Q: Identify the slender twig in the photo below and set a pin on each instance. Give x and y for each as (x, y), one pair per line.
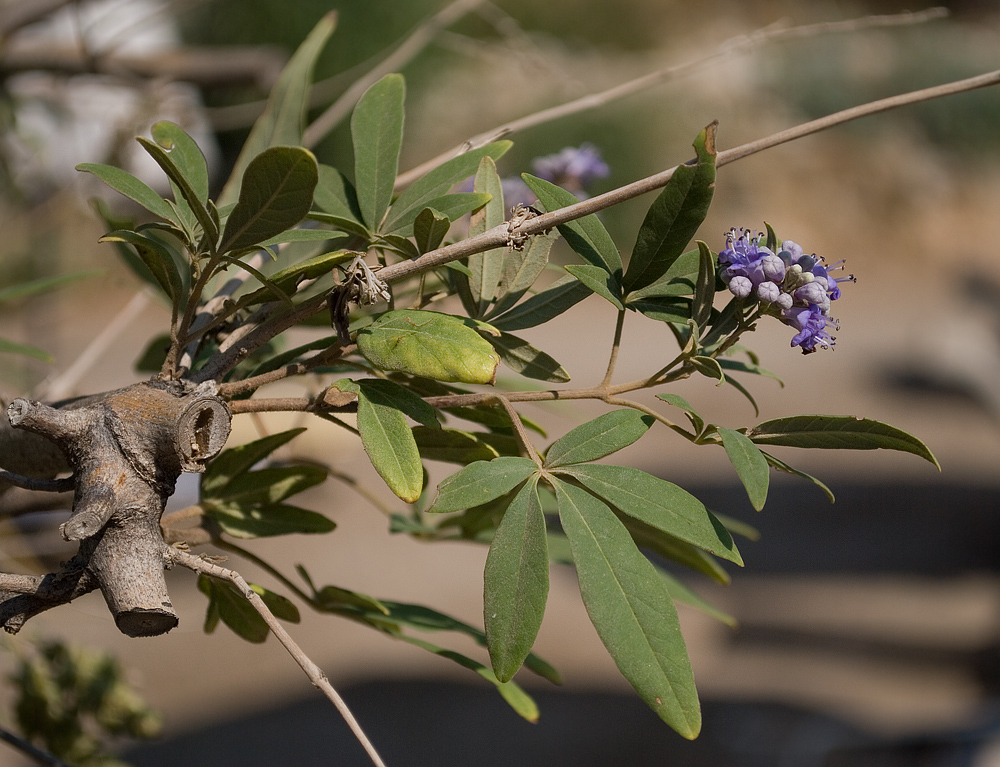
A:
(410, 48)
(615, 346)
(239, 551)
(522, 435)
(246, 385)
(42, 485)
(312, 671)
(500, 235)
(63, 385)
(729, 48)
(31, 750)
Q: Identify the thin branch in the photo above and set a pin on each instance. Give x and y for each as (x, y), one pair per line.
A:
(312, 671)
(247, 385)
(615, 346)
(410, 48)
(522, 435)
(500, 235)
(42, 485)
(729, 48)
(31, 750)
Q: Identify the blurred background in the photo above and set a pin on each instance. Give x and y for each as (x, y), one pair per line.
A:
(868, 630)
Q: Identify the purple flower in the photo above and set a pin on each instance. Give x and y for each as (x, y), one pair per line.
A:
(811, 322)
(574, 168)
(796, 288)
(748, 262)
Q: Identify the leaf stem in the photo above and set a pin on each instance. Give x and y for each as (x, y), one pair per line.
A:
(522, 435)
(615, 347)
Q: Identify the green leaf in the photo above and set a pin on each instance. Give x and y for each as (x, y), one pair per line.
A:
(302, 235)
(266, 486)
(516, 582)
(750, 464)
(275, 195)
(429, 230)
(10, 347)
(247, 521)
(156, 258)
(280, 607)
(184, 191)
(487, 268)
(561, 295)
(510, 691)
(631, 609)
(185, 153)
(674, 549)
(674, 216)
(226, 602)
(391, 394)
(595, 439)
(708, 367)
(523, 358)
(338, 222)
(335, 195)
(521, 269)
(782, 466)
(680, 592)
(660, 504)
(439, 180)
(288, 279)
(284, 117)
(128, 185)
(678, 401)
(429, 345)
(668, 309)
(377, 130)
(234, 461)
(600, 281)
(451, 206)
(387, 439)
(701, 307)
(481, 482)
(587, 236)
(455, 446)
(679, 279)
(838, 432)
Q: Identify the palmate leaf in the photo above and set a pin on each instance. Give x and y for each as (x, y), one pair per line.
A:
(660, 504)
(516, 582)
(631, 609)
(430, 345)
(750, 465)
(377, 131)
(838, 432)
(595, 439)
(284, 116)
(275, 195)
(674, 216)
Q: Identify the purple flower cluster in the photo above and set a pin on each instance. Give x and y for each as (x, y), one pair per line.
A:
(798, 289)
